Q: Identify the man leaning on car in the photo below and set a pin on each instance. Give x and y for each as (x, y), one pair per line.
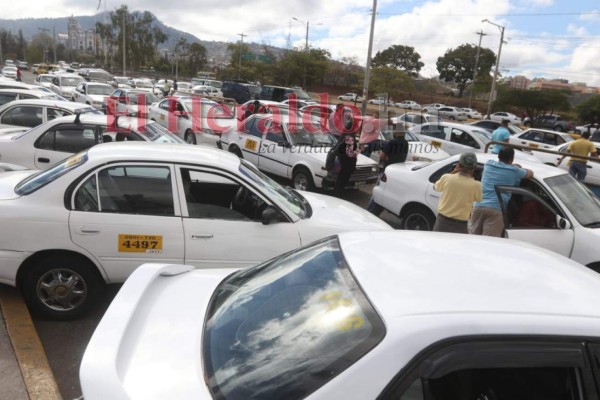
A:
(580, 147)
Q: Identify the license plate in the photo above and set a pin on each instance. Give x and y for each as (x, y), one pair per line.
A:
(436, 144)
(140, 243)
(250, 145)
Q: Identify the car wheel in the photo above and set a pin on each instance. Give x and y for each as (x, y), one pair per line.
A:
(190, 137)
(236, 150)
(417, 218)
(62, 287)
(302, 179)
(558, 128)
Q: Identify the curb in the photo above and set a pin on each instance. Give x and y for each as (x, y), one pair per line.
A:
(35, 369)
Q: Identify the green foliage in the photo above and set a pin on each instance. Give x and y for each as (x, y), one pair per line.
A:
(589, 110)
(534, 102)
(404, 58)
(457, 65)
(391, 81)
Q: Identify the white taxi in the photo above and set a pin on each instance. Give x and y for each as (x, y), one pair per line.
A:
(195, 119)
(540, 138)
(552, 210)
(593, 168)
(293, 149)
(453, 138)
(101, 213)
(92, 93)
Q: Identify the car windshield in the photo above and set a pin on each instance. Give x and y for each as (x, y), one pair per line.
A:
(70, 81)
(148, 98)
(579, 200)
(42, 178)
(46, 78)
(483, 135)
(514, 129)
(283, 329)
(159, 134)
(314, 137)
(100, 90)
(301, 94)
(207, 108)
(289, 198)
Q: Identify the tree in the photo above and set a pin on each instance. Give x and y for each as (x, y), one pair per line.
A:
(588, 111)
(404, 58)
(534, 102)
(390, 80)
(457, 65)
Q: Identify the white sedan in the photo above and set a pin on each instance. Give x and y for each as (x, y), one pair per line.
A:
(472, 113)
(34, 112)
(360, 316)
(296, 150)
(97, 216)
(552, 210)
(92, 93)
(453, 138)
(9, 72)
(408, 105)
(134, 102)
(501, 115)
(44, 80)
(540, 138)
(46, 145)
(8, 95)
(194, 119)
(593, 172)
(349, 97)
(411, 119)
(452, 113)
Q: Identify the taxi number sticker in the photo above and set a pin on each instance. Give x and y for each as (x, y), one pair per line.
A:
(250, 145)
(535, 146)
(436, 144)
(140, 243)
(162, 117)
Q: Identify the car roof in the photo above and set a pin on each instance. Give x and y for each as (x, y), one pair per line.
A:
(457, 275)
(68, 105)
(163, 152)
(540, 170)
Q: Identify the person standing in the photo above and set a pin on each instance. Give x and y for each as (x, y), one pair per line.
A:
(459, 191)
(393, 152)
(501, 134)
(19, 77)
(174, 85)
(166, 88)
(580, 147)
(487, 219)
(347, 155)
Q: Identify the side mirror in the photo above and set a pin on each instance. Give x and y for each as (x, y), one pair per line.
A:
(562, 223)
(270, 215)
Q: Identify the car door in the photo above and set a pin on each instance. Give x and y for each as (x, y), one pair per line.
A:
(275, 150)
(532, 138)
(126, 215)
(435, 135)
(78, 93)
(222, 221)
(461, 141)
(530, 218)
(250, 140)
(62, 141)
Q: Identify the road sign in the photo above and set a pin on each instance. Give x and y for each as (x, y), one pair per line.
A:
(257, 57)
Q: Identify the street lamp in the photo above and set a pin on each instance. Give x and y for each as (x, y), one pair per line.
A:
(307, 24)
(489, 108)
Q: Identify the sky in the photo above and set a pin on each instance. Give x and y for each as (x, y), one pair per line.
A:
(544, 38)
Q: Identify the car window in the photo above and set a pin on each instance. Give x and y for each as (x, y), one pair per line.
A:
(528, 212)
(534, 136)
(212, 195)
(257, 128)
(144, 190)
(269, 327)
(7, 98)
(434, 131)
(86, 197)
(56, 113)
(275, 132)
(29, 116)
(164, 105)
(464, 138)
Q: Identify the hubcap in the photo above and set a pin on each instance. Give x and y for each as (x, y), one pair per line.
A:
(300, 182)
(61, 289)
(417, 222)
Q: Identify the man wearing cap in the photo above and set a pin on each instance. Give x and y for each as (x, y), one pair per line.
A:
(487, 219)
(501, 134)
(459, 191)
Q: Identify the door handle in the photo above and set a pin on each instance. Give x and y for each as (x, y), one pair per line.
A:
(202, 236)
(43, 160)
(87, 231)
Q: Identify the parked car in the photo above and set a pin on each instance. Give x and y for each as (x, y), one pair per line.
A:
(147, 85)
(117, 205)
(44, 80)
(411, 119)
(452, 113)
(279, 93)
(240, 92)
(9, 72)
(34, 68)
(552, 210)
(299, 103)
(554, 122)
(380, 101)
(206, 82)
(432, 108)
(472, 113)
(408, 105)
(349, 97)
(34, 112)
(65, 84)
(191, 118)
(591, 128)
(23, 65)
(97, 75)
(418, 150)
(540, 138)
(501, 115)
(453, 138)
(133, 102)
(8, 95)
(282, 147)
(91, 93)
(206, 90)
(511, 321)
(593, 168)
(46, 145)
(491, 126)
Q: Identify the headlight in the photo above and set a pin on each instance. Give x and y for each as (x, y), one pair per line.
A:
(424, 159)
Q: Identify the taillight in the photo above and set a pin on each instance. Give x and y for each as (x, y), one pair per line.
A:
(383, 178)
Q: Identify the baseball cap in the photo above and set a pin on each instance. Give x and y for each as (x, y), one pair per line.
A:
(468, 160)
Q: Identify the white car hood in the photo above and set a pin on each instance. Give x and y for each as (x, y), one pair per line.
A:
(148, 343)
(332, 215)
(98, 97)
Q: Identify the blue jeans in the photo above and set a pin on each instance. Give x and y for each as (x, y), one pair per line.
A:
(578, 170)
(373, 207)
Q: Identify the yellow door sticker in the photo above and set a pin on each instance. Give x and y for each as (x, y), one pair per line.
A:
(436, 144)
(533, 145)
(250, 145)
(162, 117)
(140, 243)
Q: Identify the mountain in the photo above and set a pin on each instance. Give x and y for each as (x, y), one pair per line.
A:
(216, 50)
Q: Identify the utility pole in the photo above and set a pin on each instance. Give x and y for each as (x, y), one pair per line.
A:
(1, 61)
(124, 50)
(105, 41)
(491, 100)
(54, 43)
(481, 35)
(363, 108)
(240, 58)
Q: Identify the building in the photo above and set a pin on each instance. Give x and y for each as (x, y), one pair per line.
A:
(519, 82)
(80, 39)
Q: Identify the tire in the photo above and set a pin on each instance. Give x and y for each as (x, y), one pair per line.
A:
(236, 150)
(302, 179)
(46, 288)
(417, 218)
(189, 137)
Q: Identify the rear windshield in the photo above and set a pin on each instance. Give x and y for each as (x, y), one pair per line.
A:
(42, 178)
(283, 329)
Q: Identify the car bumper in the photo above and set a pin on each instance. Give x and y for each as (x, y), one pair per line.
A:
(355, 182)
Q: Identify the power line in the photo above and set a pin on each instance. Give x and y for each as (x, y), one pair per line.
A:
(501, 15)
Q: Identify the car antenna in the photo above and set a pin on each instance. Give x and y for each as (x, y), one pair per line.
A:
(77, 116)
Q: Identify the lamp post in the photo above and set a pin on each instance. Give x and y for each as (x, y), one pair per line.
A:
(491, 100)
(307, 24)
(363, 108)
